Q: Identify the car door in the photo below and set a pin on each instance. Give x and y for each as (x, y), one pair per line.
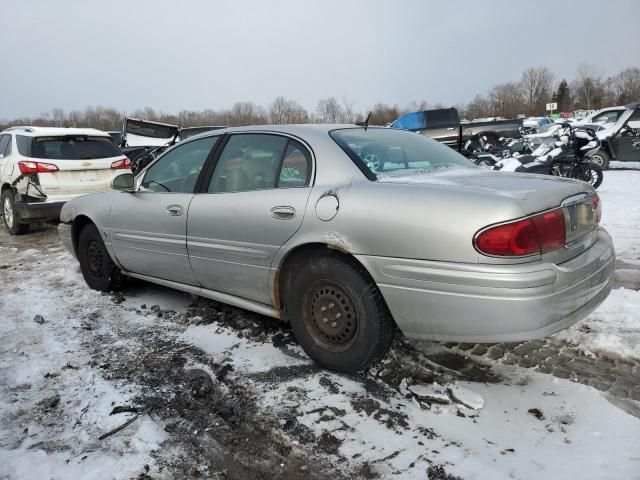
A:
(253, 202)
(149, 227)
(623, 141)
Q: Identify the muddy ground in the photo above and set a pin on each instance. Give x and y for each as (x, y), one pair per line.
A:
(232, 419)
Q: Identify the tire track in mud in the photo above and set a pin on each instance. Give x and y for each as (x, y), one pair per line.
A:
(617, 376)
(210, 409)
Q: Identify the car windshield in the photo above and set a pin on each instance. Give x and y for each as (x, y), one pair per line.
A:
(70, 147)
(380, 152)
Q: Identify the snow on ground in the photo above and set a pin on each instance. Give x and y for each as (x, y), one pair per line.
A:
(614, 328)
(621, 211)
(53, 404)
(61, 379)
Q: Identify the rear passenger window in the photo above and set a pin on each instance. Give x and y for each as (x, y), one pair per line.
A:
(4, 142)
(249, 162)
(296, 166)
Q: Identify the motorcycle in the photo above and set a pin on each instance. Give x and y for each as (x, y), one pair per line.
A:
(567, 157)
(485, 149)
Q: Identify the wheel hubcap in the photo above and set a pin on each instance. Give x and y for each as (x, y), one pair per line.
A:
(332, 319)
(8, 212)
(598, 160)
(94, 258)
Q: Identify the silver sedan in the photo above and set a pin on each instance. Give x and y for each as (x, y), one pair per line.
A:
(295, 222)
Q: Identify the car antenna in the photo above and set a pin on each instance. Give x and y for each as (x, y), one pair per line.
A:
(364, 124)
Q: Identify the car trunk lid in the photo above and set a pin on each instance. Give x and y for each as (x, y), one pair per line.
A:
(532, 194)
(146, 133)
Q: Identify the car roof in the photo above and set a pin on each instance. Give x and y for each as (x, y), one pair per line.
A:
(302, 130)
(54, 131)
(610, 109)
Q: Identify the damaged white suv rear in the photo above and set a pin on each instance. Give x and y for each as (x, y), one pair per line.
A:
(42, 167)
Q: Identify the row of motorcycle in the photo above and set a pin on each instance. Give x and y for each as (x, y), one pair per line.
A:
(567, 155)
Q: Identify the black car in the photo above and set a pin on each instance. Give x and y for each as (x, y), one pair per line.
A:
(617, 142)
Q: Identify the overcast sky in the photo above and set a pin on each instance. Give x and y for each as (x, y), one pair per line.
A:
(175, 55)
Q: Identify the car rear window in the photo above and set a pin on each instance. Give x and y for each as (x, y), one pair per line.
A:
(386, 151)
(68, 147)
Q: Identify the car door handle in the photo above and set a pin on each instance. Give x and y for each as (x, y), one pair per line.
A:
(174, 210)
(283, 213)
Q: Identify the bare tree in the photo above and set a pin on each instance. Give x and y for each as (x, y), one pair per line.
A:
(283, 111)
(588, 88)
(329, 110)
(382, 114)
(479, 107)
(506, 100)
(535, 85)
(246, 113)
(348, 115)
(625, 86)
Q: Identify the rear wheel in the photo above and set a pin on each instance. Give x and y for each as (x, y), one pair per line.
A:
(12, 221)
(588, 172)
(96, 265)
(593, 174)
(338, 314)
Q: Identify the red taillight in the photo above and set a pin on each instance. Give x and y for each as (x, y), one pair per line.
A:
(36, 167)
(551, 230)
(121, 164)
(537, 234)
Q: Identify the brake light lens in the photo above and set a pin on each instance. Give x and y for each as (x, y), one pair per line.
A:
(121, 164)
(538, 234)
(36, 167)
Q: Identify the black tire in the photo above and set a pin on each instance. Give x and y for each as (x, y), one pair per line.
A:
(10, 216)
(600, 158)
(587, 172)
(338, 314)
(594, 175)
(96, 265)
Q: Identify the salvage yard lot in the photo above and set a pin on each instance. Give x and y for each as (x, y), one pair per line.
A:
(217, 392)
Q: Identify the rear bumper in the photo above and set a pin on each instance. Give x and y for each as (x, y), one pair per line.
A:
(39, 211)
(493, 303)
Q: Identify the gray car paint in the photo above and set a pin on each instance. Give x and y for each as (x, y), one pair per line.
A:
(414, 219)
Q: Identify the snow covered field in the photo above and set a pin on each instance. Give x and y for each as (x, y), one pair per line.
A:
(215, 392)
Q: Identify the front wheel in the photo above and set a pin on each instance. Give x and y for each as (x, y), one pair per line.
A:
(96, 265)
(338, 314)
(12, 220)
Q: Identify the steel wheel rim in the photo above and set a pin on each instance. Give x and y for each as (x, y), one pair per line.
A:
(331, 318)
(8, 212)
(95, 262)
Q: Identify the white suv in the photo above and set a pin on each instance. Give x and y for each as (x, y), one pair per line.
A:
(41, 168)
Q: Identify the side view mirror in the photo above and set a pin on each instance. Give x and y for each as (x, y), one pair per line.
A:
(125, 182)
(633, 124)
